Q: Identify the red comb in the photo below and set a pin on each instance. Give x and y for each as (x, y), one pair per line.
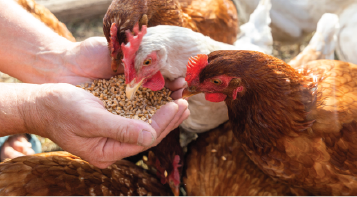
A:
(114, 44)
(195, 66)
(130, 51)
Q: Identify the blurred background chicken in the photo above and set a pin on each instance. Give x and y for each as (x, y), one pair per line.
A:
(214, 18)
(322, 45)
(347, 41)
(63, 174)
(292, 20)
(299, 127)
(44, 15)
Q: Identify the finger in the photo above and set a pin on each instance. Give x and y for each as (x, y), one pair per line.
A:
(182, 107)
(184, 116)
(175, 84)
(10, 153)
(125, 130)
(28, 151)
(177, 94)
(164, 116)
(113, 151)
(20, 145)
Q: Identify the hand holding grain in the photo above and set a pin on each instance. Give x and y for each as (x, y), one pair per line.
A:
(78, 122)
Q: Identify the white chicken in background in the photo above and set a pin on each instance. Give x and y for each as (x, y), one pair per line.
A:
(322, 45)
(346, 43)
(292, 20)
(164, 52)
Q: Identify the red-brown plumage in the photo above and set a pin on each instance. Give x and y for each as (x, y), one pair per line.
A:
(299, 127)
(217, 19)
(168, 156)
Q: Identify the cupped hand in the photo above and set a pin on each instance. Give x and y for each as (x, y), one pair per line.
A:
(16, 146)
(78, 122)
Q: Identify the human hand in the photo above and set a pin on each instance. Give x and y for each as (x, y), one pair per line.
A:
(85, 61)
(16, 146)
(78, 122)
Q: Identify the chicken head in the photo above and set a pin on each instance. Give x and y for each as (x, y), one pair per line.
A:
(142, 69)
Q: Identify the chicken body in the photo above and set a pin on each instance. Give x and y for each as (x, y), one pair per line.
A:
(292, 20)
(298, 127)
(216, 165)
(60, 173)
(169, 48)
(215, 18)
(44, 15)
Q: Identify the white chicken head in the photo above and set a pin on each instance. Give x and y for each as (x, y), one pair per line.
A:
(142, 64)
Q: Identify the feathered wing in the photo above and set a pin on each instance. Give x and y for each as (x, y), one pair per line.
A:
(216, 165)
(319, 155)
(346, 44)
(322, 45)
(256, 33)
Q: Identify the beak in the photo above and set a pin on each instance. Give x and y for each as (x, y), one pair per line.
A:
(132, 87)
(189, 91)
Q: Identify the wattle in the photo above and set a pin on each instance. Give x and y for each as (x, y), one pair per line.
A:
(156, 82)
(215, 97)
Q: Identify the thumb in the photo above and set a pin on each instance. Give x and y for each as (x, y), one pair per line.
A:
(127, 130)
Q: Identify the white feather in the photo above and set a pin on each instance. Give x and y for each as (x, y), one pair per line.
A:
(322, 45)
(346, 45)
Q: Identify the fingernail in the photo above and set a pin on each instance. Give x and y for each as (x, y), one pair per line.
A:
(145, 138)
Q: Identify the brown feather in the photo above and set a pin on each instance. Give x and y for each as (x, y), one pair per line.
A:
(60, 173)
(225, 169)
(297, 126)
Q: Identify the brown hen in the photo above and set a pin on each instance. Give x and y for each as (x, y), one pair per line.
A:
(299, 127)
(60, 173)
(44, 15)
(214, 18)
(216, 165)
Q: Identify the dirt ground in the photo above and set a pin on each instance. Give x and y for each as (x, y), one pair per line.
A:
(94, 27)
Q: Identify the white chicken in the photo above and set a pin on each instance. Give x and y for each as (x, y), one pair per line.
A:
(346, 44)
(163, 52)
(293, 19)
(322, 45)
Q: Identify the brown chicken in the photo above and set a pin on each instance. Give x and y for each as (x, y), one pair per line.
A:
(44, 15)
(60, 173)
(297, 126)
(166, 159)
(216, 165)
(214, 18)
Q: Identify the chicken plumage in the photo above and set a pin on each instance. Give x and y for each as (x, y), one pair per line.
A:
(292, 20)
(60, 173)
(299, 127)
(322, 45)
(216, 165)
(346, 49)
(214, 18)
(162, 52)
(44, 15)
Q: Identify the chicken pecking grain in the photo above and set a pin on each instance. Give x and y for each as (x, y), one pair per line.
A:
(214, 18)
(63, 174)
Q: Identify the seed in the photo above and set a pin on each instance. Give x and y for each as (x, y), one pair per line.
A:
(112, 94)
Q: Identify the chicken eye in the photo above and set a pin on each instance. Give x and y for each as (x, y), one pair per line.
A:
(147, 62)
(216, 81)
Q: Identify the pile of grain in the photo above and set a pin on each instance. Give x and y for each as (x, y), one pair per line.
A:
(112, 93)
